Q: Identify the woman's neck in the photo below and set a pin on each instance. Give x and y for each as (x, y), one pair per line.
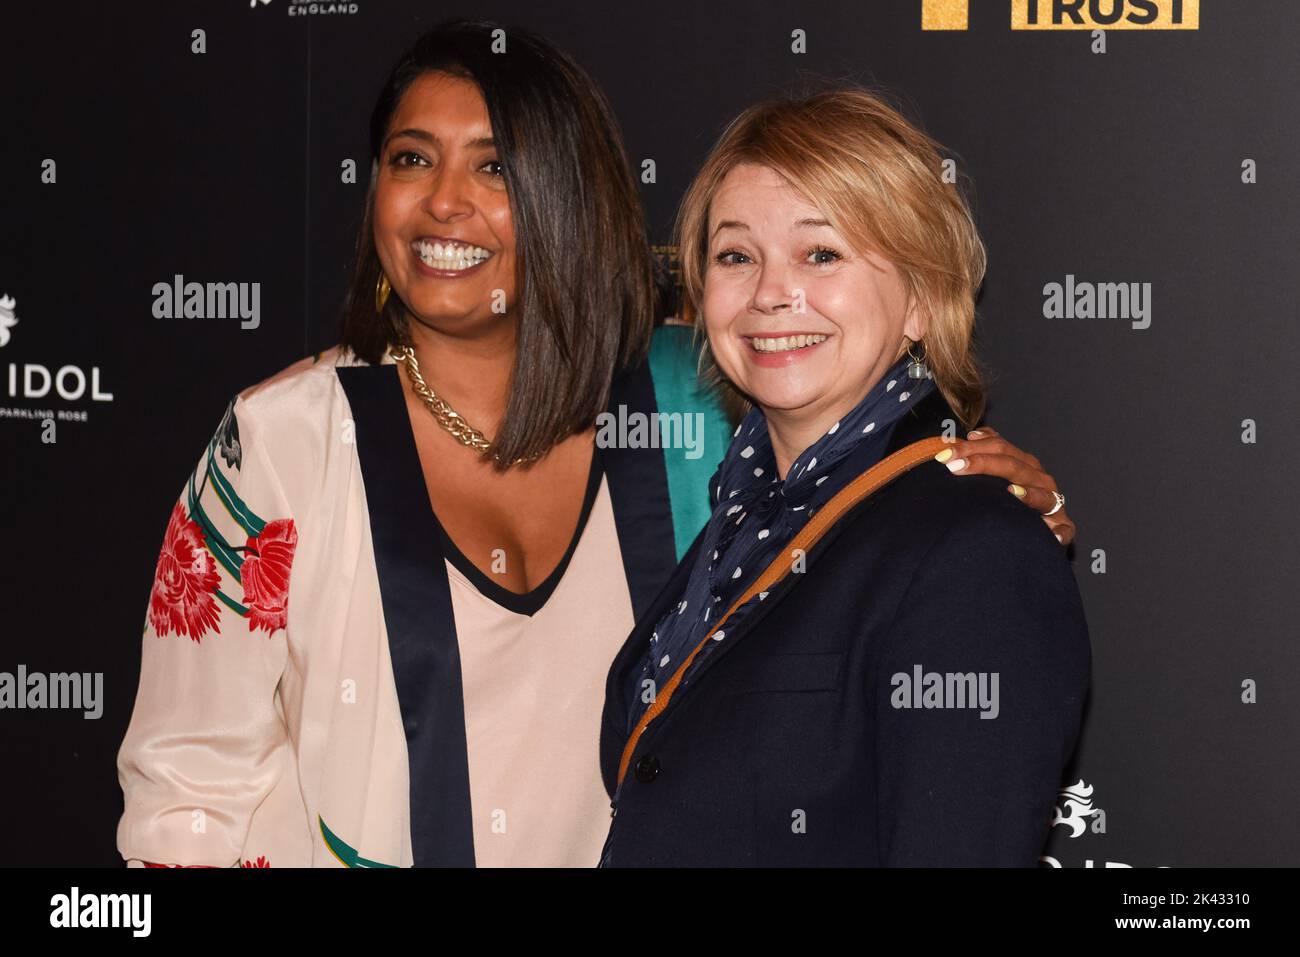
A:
(793, 431)
(472, 373)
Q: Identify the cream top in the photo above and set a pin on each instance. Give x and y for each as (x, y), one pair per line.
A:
(534, 689)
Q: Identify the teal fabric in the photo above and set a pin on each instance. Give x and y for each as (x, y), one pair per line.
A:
(673, 360)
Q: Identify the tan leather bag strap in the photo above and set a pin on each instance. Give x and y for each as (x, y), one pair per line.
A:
(876, 477)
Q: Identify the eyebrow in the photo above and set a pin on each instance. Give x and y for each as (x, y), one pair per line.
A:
(427, 137)
(800, 224)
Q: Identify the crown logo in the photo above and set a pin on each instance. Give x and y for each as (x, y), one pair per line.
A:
(7, 317)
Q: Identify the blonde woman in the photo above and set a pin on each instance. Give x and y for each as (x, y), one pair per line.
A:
(862, 660)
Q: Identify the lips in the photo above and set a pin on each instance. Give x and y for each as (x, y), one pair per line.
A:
(448, 255)
(785, 343)
(782, 349)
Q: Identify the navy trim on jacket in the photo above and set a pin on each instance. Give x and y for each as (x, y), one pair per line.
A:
(638, 491)
(418, 615)
(409, 546)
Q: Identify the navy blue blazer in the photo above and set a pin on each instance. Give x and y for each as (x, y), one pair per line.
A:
(813, 735)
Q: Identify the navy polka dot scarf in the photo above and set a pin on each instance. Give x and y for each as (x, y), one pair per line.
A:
(755, 515)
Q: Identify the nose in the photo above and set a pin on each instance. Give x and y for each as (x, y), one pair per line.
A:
(448, 197)
(772, 292)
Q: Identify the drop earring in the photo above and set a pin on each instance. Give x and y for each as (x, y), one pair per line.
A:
(917, 369)
(382, 289)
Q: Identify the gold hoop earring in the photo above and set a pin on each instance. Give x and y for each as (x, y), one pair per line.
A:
(382, 289)
(917, 369)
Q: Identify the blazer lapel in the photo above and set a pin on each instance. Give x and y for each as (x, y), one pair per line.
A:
(638, 491)
(618, 684)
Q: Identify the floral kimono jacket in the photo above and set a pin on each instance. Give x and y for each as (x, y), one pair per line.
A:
(302, 700)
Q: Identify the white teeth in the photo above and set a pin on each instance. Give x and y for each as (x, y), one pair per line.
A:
(450, 255)
(785, 343)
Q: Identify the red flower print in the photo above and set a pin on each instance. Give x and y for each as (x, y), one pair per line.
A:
(152, 864)
(185, 582)
(260, 862)
(265, 574)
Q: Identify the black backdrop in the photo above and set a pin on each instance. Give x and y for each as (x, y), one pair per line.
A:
(1131, 165)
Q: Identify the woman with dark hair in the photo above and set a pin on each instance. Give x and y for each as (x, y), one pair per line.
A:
(389, 594)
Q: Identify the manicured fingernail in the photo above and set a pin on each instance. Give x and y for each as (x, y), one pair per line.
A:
(974, 435)
(943, 456)
(1059, 538)
(1018, 491)
(956, 465)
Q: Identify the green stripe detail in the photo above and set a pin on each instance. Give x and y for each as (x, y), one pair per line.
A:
(244, 516)
(241, 513)
(346, 854)
(233, 605)
(217, 545)
(673, 359)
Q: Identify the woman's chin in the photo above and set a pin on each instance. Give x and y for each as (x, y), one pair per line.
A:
(784, 400)
(455, 315)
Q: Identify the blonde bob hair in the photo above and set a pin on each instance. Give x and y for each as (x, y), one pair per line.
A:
(879, 181)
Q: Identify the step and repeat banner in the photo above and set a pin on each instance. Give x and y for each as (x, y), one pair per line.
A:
(1135, 181)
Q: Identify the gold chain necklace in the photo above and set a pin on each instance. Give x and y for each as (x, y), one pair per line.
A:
(446, 416)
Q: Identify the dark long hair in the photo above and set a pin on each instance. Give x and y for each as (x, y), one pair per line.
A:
(584, 273)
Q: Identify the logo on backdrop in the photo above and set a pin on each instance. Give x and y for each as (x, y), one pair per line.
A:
(7, 319)
(312, 8)
(1073, 14)
(38, 380)
(1074, 805)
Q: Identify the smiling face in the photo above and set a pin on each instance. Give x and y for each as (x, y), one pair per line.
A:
(797, 319)
(442, 223)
